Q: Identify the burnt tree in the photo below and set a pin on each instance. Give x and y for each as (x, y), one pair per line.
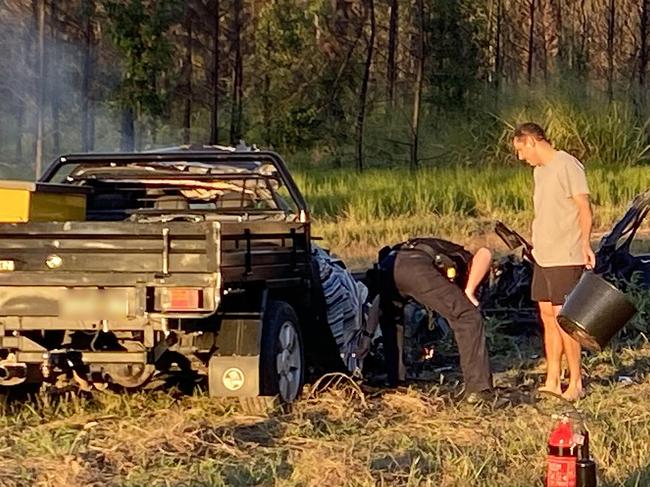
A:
(417, 92)
(391, 68)
(363, 94)
(237, 75)
(214, 112)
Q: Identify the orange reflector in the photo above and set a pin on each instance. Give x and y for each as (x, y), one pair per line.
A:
(183, 298)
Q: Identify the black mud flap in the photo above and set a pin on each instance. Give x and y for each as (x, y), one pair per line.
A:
(234, 367)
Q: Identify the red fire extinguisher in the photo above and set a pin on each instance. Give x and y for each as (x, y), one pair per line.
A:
(562, 457)
(569, 463)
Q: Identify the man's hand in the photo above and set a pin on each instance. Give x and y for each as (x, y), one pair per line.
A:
(585, 217)
(590, 257)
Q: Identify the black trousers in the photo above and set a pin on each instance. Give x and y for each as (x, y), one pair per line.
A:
(411, 274)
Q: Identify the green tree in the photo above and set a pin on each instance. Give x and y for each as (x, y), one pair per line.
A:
(286, 55)
(451, 39)
(138, 29)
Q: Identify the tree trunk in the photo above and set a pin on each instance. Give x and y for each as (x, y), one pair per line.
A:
(53, 74)
(611, 24)
(489, 47)
(236, 112)
(531, 42)
(88, 65)
(38, 156)
(643, 51)
(557, 7)
(127, 143)
(415, 124)
(497, 51)
(391, 73)
(20, 124)
(214, 119)
(584, 44)
(187, 68)
(548, 34)
(91, 125)
(266, 98)
(361, 115)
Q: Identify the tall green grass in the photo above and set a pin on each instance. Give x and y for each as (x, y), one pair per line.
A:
(468, 175)
(358, 212)
(469, 192)
(392, 193)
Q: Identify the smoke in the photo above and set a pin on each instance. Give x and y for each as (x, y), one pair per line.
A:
(65, 73)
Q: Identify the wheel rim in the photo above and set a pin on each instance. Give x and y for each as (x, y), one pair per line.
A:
(288, 362)
(130, 375)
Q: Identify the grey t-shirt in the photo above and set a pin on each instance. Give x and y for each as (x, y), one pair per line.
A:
(556, 226)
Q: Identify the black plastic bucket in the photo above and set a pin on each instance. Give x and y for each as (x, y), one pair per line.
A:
(594, 311)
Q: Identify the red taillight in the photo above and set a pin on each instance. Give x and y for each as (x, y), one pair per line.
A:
(182, 299)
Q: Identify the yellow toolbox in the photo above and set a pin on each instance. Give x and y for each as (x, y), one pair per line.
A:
(22, 201)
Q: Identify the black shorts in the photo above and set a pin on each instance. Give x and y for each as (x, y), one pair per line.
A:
(554, 283)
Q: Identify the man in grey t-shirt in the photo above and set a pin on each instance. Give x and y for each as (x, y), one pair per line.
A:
(561, 246)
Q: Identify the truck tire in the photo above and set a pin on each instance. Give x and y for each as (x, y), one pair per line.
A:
(282, 358)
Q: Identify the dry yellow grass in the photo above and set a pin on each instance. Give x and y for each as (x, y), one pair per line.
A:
(338, 434)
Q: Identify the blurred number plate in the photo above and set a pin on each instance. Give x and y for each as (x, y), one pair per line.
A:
(94, 303)
(7, 265)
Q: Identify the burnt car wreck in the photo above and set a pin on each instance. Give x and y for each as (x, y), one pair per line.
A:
(505, 296)
(505, 300)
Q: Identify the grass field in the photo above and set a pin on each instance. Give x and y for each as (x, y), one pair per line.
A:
(418, 436)
(358, 213)
(342, 435)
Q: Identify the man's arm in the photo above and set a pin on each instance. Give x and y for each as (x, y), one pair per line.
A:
(586, 220)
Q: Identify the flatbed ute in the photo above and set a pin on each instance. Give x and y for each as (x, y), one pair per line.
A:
(186, 260)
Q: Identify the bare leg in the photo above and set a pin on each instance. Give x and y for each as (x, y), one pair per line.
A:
(572, 351)
(480, 266)
(553, 346)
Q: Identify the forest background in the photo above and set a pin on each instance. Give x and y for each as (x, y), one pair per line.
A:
(395, 115)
